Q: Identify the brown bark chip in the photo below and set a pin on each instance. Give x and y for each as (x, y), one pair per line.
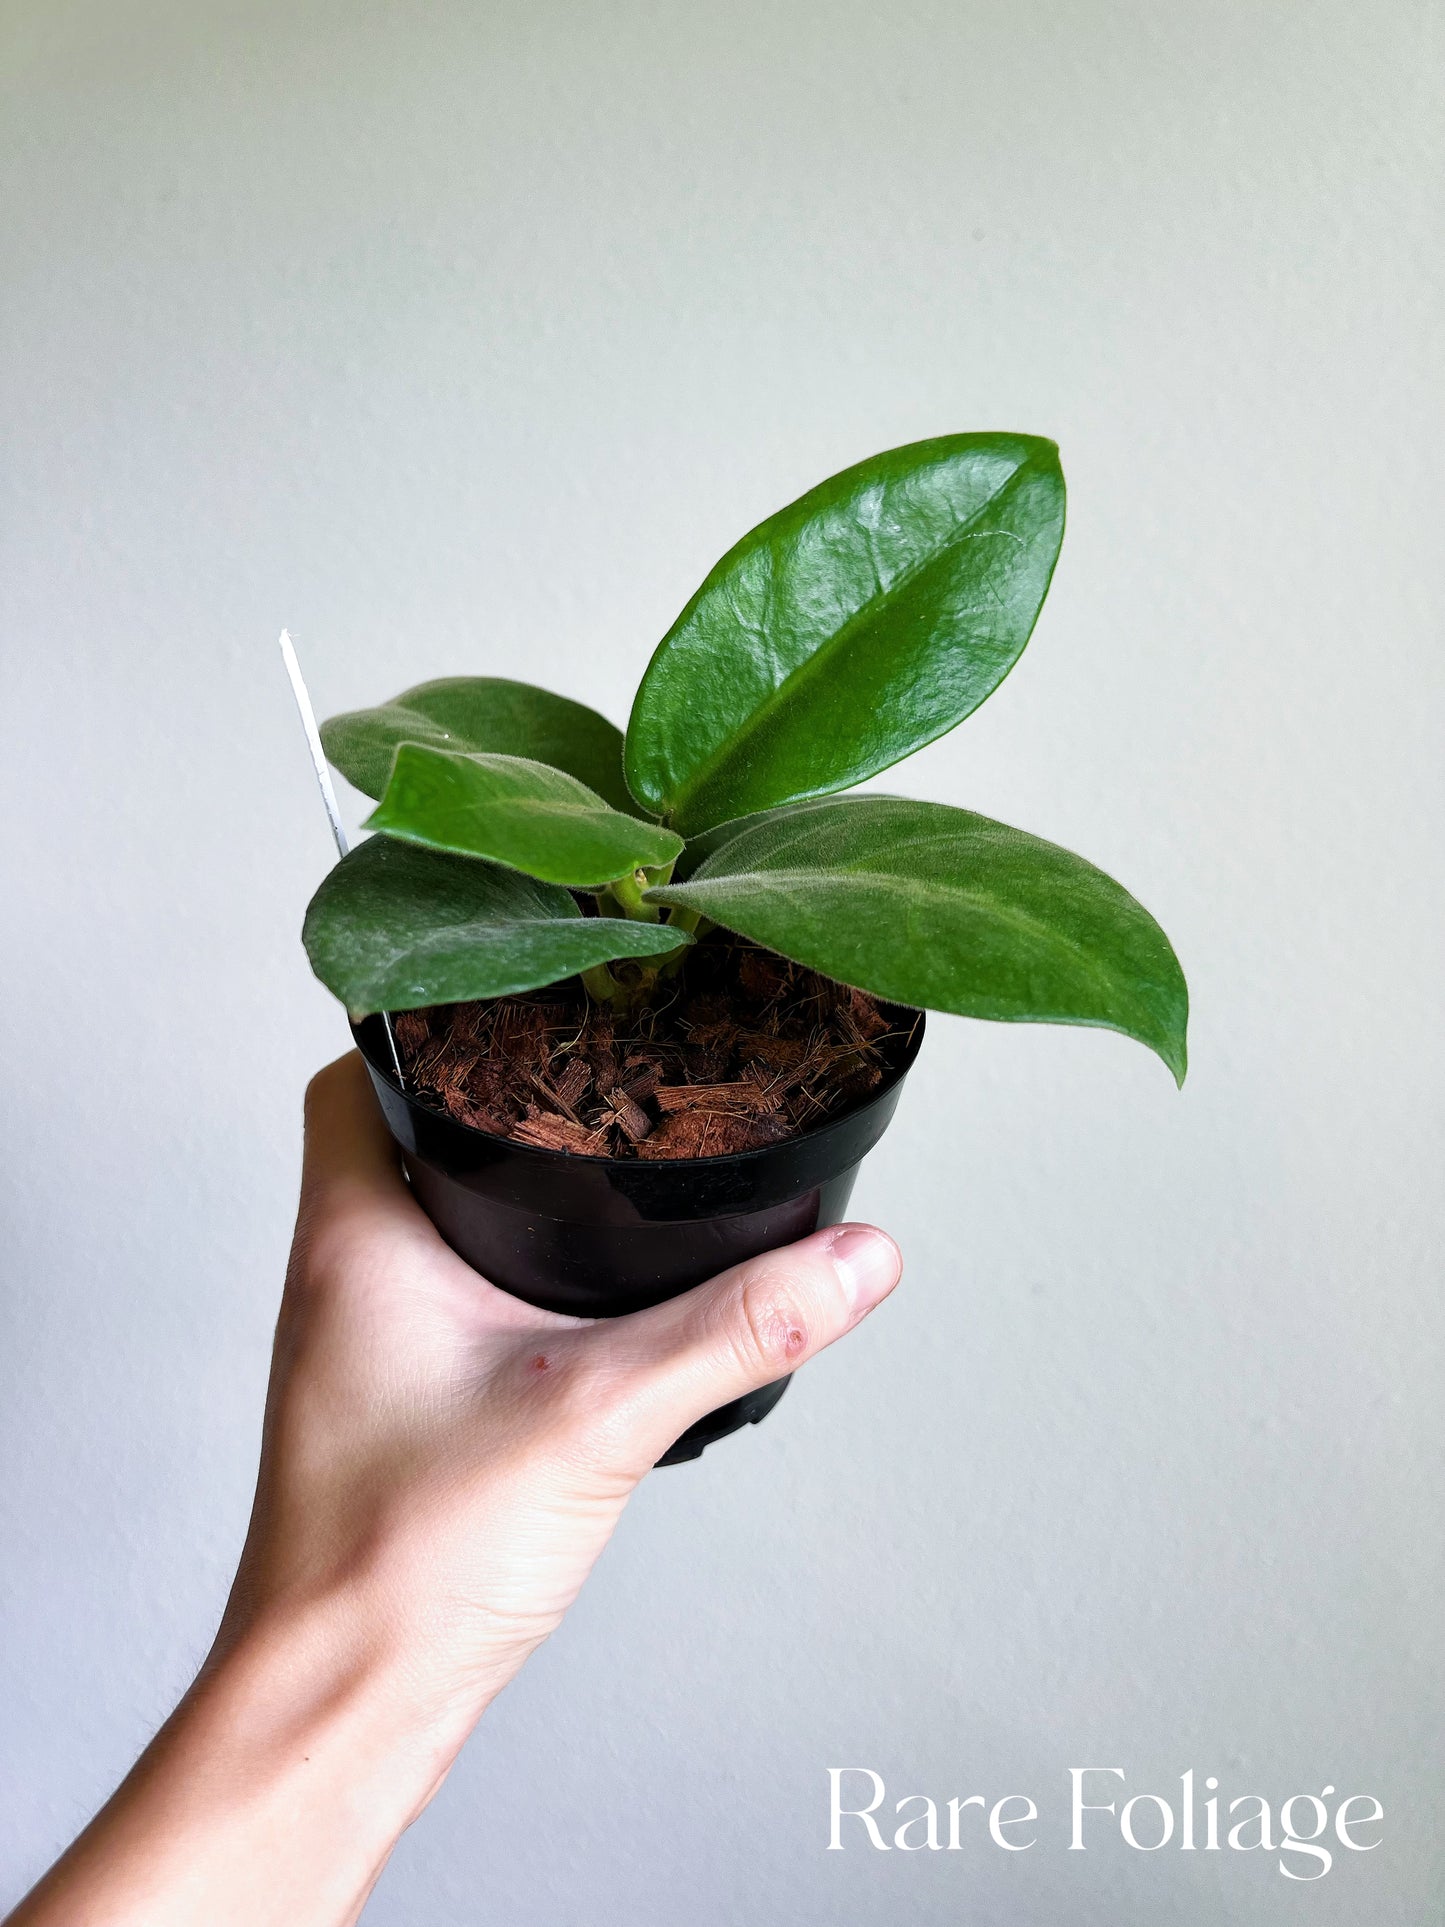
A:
(573, 1082)
(742, 1049)
(630, 1118)
(743, 1097)
(552, 1133)
(410, 1029)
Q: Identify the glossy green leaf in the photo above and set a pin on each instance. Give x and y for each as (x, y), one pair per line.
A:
(480, 713)
(937, 907)
(397, 927)
(849, 629)
(709, 842)
(514, 811)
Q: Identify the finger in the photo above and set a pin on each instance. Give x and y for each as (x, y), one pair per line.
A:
(349, 1151)
(352, 1187)
(754, 1324)
(351, 1184)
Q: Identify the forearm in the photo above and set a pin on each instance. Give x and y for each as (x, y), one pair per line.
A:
(441, 1465)
(274, 1793)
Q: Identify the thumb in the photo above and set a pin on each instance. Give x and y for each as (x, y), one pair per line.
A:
(753, 1324)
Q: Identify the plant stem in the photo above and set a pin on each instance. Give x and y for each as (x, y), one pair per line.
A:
(628, 893)
(602, 986)
(625, 895)
(695, 924)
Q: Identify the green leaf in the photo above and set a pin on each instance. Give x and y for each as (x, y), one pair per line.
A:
(514, 811)
(709, 842)
(395, 927)
(937, 907)
(849, 629)
(487, 713)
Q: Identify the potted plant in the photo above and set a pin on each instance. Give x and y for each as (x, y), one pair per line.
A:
(635, 1006)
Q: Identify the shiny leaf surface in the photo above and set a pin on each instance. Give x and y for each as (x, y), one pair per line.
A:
(514, 811)
(480, 713)
(937, 907)
(396, 927)
(849, 629)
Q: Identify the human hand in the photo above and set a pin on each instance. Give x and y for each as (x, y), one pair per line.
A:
(460, 1457)
(441, 1465)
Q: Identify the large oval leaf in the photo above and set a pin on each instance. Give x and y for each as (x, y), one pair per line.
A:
(849, 629)
(484, 713)
(937, 907)
(514, 811)
(395, 927)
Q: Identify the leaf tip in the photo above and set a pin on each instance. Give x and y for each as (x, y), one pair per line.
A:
(1173, 1052)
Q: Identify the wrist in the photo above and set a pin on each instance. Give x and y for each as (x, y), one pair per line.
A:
(311, 1682)
(276, 1790)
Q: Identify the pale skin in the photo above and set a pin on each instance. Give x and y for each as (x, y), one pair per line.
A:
(441, 1466)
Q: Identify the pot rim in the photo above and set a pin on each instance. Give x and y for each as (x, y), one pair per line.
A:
(379, 1062)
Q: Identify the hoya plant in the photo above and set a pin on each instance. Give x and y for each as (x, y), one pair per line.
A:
(521, 838)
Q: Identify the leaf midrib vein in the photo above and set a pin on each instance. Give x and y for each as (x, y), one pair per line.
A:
(905, 578)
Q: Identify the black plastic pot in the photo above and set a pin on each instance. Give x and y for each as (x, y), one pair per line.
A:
(598, 1237)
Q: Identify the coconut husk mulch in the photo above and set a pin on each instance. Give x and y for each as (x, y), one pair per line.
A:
(741, 1050)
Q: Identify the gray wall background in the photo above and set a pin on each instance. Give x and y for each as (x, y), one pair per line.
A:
(466, 337)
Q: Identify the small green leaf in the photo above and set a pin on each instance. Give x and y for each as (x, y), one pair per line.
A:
(937, 907)
(487, 713)
(396, 927)
(514, 811)
(849, 629)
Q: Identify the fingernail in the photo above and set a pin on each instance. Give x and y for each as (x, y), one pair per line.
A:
(867, 1261)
